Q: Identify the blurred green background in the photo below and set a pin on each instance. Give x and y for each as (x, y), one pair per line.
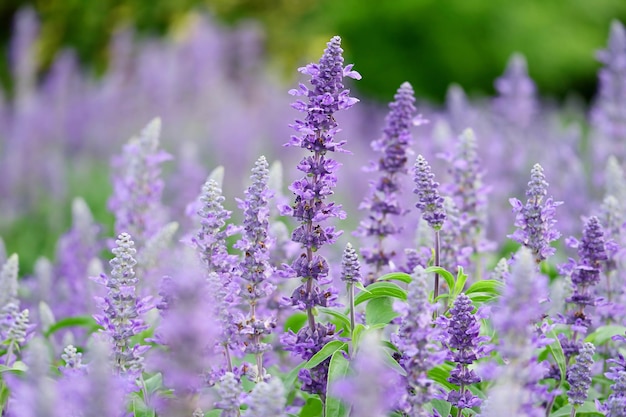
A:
(436, 42)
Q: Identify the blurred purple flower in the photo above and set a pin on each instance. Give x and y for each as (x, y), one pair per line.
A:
(579, 375)
(516, 101)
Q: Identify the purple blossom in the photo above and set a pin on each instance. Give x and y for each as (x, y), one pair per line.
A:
(266, 399)
(615, 405)
(579, 375)
(416, 341)
(231, 395)
(517, 101)
(316, 133)
(535, 220)
(429, 201)
(137, 187)
(465, 346)
(350, 267)
(382, 201)
(122, 310)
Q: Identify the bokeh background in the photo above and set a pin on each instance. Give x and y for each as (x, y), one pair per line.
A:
(80, 77)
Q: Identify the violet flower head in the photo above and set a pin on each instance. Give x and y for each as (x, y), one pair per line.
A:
(429, 200)
(122, 309)
(465, 346)
(615, 405)
(316, 133)
(517, 101)
(231, 395)
(579, 375)
(535, 220)
(382, 201)
(608, 114)
(350, 267)
(137, 187)
(416, 341)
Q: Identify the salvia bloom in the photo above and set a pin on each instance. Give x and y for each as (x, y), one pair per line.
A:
(468, 191)
(535, 220)
(14, 324)
(350, 267)
(266, 399)
(517, 101)
(122, 309)
(586, 274)
(429, 201)
(382, 201)
(416, 342)
(73, 360)
(465, 346)
(137, 187)
(230, 392)
(453, 252)
(579, 375)
(316, 133)
(608, 114)
(615, 405)
(255, 269)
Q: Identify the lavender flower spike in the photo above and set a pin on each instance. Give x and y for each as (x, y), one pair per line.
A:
(535, 220)
(382, 200)
(316, 133)
(579, 375)
(429, 200)
(350, 274)
(267, 399)
(122, 309)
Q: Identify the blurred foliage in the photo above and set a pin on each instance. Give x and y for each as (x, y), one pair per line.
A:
(431, 43)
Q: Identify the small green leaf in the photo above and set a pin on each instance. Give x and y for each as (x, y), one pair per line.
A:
(461, 278)
(443, 407)
(490, 286)
(556, 350)
(440, 374)
(481, 297)
(380, 310)
(77, 321)
(337, 370)
(447, 276)
(312, 408)
(295, 322)
(380, 289)
(154, 383)
(214, 413)
(588, 409)
(389, 360)
(356, 335)
(360, 286)
(328, 349)
(345, 321)
(18, 367)
(396, 276)
(603, 334)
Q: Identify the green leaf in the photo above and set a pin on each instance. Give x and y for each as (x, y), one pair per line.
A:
(461, 279)
(154, 383)
(447, 276)
(481, 297)
(295, 322)
(312, 408)
(345, 321)
(440, 374)
(380, 289)
(396, 276)
(360, 286)
(213, 413)
(337, 370)
(356, 335)
(587, 409)
(18, 367)
(556, 350)
(328, 349)
(380, 310)
(290, 378)
(604, 334)
(489, 286)
(77, 321)
(443, 407)
(389, 360)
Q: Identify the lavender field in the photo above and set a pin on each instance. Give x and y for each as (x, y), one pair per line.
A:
(256, 249)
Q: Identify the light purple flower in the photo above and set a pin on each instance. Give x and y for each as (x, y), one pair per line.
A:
(579, 375)
(430, 203)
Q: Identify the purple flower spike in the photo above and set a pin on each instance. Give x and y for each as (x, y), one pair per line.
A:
(579, 375)
(122, 309)
(429, 200)
(316, 133)
(382, 201)
(517, 101)
(465, 346)
(267, 399)
(535, 220)
(350, 267)
(416, 342)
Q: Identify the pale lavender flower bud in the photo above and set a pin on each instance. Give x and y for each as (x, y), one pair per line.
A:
(266, 399)
(73, 360)
(535, 220)
(579, 375)
(501, 270)
(230, 392)
(350, 267)
(429, 201)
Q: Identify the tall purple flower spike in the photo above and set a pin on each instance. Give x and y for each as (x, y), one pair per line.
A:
(382, 201)
(316, 133)
(516, 101)
(535, 220)
(608, 114)
(579, 375)
(122, 310)
(429, 201)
